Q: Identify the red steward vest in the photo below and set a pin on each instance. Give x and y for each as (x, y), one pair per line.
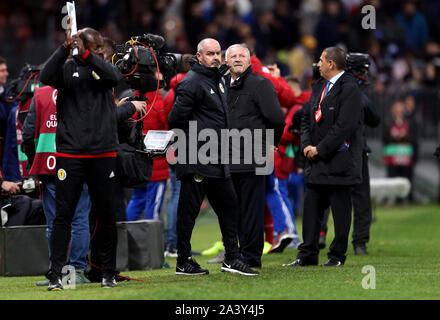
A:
(45, 131)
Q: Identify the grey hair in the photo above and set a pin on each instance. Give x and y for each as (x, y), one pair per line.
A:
(239, 45)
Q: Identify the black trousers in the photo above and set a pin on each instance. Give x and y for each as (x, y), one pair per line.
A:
(316, 200)
(99, 175)
(250, 190)
(223, 199)
(362, 211)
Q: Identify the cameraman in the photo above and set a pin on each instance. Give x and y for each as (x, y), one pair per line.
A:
(86, 145)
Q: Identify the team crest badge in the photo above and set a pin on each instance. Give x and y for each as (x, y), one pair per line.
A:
(61, 174)
(95, 75)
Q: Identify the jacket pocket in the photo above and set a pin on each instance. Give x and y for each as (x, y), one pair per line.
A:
(341, 164)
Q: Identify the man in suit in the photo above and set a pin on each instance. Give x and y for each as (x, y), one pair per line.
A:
(331, 140)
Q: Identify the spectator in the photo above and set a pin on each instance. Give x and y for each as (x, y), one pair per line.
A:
(414, 24)
(8, 139)
(398, 139)
(332, 26)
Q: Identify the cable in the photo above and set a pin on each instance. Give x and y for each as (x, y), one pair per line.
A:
(99, 268)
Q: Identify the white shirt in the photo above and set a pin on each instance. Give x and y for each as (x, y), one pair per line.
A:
(232, 81)
(334, 79)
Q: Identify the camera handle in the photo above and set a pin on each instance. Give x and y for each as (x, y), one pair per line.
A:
(139, 140)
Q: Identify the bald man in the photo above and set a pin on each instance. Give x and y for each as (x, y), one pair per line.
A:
(200, 101)
(86, 146)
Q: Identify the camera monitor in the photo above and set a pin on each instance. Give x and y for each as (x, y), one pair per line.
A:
(158, 141)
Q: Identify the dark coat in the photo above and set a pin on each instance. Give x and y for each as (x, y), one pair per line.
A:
(253, 104)
(342, 116)
(200, 97)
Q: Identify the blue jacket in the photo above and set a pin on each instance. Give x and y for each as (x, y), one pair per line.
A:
(10, 166)
(416, 29)
(9, 155)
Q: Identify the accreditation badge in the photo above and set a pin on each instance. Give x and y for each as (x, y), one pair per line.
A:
(222, 89)
(95, 75)
(318, 114)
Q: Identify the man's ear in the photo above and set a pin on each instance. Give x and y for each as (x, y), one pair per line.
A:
(198, 55)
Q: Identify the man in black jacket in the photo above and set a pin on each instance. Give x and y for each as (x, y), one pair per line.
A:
(200, 103)
(253, 104)
(331, 140)
(86, 141)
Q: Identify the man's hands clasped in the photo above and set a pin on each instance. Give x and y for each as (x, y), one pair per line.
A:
(310, 152)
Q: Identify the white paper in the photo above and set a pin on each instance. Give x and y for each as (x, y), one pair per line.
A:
(73, 27)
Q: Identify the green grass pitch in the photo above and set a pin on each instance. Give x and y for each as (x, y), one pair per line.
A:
(404, 250)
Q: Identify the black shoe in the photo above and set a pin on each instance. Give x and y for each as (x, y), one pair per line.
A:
(190, 268)
(120, 278)
(108, 281)
(333, 263)
(321, 243)
(281, 241)
(299, 263)
(238, 266)
(361, 250)
(55, 283)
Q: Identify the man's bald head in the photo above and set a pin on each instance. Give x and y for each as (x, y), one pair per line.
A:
(209, 53)
(93, 41)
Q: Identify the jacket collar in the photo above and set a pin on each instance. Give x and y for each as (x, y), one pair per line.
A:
(210, 72)
(320, 84)
(239, 82)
